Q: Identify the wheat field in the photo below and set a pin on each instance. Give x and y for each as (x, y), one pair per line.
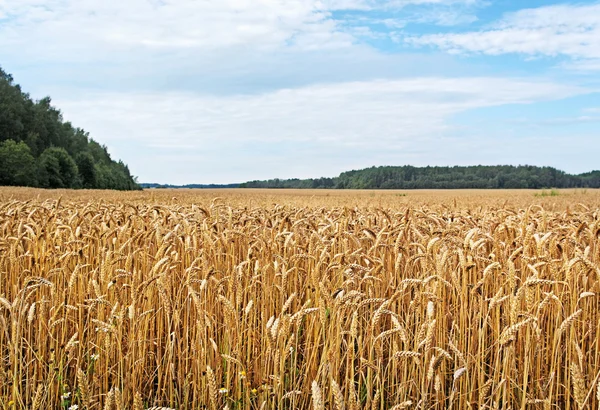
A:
(299, 300)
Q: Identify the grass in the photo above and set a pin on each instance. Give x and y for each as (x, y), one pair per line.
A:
(263, 300)
(545, 193)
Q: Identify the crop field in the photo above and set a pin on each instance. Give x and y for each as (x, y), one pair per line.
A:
(250, 299)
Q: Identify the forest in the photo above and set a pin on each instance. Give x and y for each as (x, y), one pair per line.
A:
(38, 148)
(457, 177)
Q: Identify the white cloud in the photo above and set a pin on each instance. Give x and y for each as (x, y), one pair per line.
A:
(583, 65)
(581, 119)
(392, 4)
(371, 117)
(345, 113)
(445, 17)
(171, 24)
(439, 15)
(90, 27)
(561, 30)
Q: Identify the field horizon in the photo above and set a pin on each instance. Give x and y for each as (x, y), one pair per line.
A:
(165, 193)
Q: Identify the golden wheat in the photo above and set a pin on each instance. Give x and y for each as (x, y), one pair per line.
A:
(288, 299)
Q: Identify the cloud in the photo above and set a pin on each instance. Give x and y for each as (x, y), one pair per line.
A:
(445, 17)
(90, 27)
(582, 65)
(185, 24)
(218, 46)
(363, 119)
(344, 113)
(392, 4)
(561, 30)
(581, 119)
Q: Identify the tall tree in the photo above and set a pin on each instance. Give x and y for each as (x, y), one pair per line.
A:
(17, 165)
(58, 169)
(87, 169)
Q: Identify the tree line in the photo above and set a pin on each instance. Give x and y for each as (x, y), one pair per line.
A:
(458, 177)
(39, 149)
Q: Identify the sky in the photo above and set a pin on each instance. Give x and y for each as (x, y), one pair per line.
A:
(226, 91)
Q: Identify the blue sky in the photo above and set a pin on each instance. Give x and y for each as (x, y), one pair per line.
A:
(219, 91)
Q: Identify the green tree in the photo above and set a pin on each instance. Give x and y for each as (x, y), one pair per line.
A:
(87, 170)
(17, 165)
(58, 169)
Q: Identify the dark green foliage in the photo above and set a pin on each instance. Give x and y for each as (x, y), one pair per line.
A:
(58, 169)
(590, 179)
(49, 172)
(87, 169)
(115, 175)
(45, 151)
(473, 177)
(17, 165)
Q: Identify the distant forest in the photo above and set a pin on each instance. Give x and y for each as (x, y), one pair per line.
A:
(39, 149)
(471, 177)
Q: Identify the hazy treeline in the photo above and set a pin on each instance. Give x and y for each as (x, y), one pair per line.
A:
(39, 149)
(470, 177)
